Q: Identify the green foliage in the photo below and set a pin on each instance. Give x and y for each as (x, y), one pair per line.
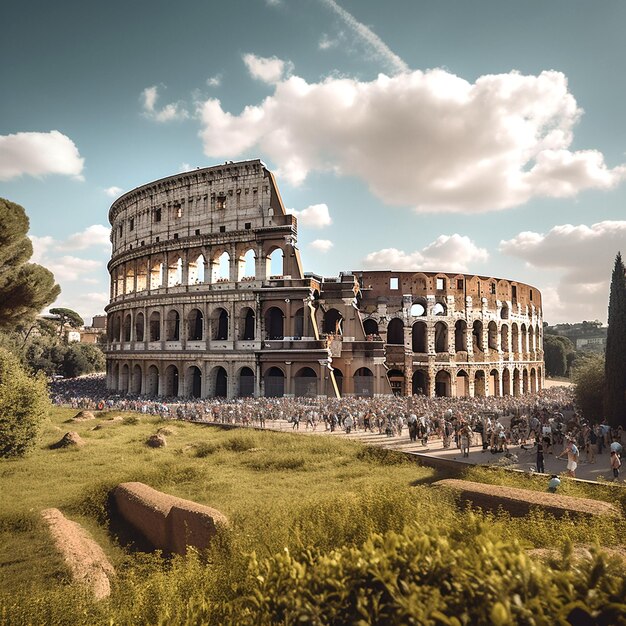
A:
(66, 317)
(556, 350)
(588, 377)
(82, 358)
(615, 356)
(23, 407)
(25, 288)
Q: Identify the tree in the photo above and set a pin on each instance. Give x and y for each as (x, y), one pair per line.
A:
(556, 350)
(82, 358)
(24, 404)
(615, 354)
(25, 288)
(66, 317)
(588, 378)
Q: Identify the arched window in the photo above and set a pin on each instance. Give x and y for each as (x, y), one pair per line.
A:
(247, 266)
(219, 322)
(477, 336)
(247, 324)
(298, 323)
(305, 383)
(274, 383)
(333, 322)
(135, 382)
(172, 330)
(460, 336)
(420, 337)
(492, 332)
(194, 382)
(195, 325)
(418, 309)
(274, 323)
(246, 382)
(440, 308)
(395, 332)
(441, 337)
(363, 383)
(155, 326)
(156, 275)
(221, 268)
(139, 327)
(175, 272)
(171, 381)
(196, 271)
(274, 263)
(127, 327)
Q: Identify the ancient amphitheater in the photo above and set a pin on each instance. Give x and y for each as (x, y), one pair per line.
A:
(209, 299)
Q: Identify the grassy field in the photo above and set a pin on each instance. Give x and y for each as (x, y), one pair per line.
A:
(308, 495)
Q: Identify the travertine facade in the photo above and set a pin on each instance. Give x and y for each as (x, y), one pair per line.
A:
(199, 309)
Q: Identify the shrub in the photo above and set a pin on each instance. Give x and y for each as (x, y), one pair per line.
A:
(24, 405)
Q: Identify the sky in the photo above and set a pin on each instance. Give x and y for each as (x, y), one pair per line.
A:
(483, 137)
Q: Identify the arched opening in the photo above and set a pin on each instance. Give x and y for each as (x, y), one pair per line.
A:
(298, 323)
(274, 263)
(152, 381)
(539, 384)
(246, 331)
(124, 379)
(504, 338)
(524, 338)
(142, 276)
(395, 332)
(477, 336)
(219, 323)
(440, 308)
(116, 333)
(418, 309)
(221, 268)
(247, 266)
(115, 377)
(274, 380)
(533, 380)
(516, 383)
(396, 380)
(531, 339)
(370, 327)
(442, 384)
(246, 383)
(514, 338)
(155, 326)
(492, 335)
(171, 381)
(506, 382)
(462, 384)
(441, 337)
(156, 275)
(139, 326)
(419, 385)
(460, 336)
(494, 383)
(195, 325)
(305, 383)
(333, 322)
(175, 272)
(194, 382)
(363, 383)
(504, 312)
(172, 327)
(274, 323)
(135, 381)
(419, 337)
(129, 281)
(525, 388)
(480, 384)
(127, 327)
(195, 273)
(221, 382)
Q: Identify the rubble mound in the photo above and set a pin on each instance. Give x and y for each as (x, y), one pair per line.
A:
(69, 440)
(83, 415)
(156, 441)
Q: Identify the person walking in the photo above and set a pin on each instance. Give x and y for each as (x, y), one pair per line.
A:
(616, 463)
(572, 458)
(540, 461)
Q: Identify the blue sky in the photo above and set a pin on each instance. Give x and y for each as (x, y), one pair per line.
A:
(484, 137)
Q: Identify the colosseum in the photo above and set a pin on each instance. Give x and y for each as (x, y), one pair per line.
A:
(209, 299)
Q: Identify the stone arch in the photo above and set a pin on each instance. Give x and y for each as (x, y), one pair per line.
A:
(135, 380)
(171, 381)
(419, 307)
(419, 337)
(477, 336)
(195, 326)
(172, 326)
(152, 381)
(128, 326)
(305, 383)
(156, 274)
(115, 376)
(396, 381)
(175, 271)
(419, 382)
(246, 383)
(514, 338)
(333, 322)
(298, 323)
(441, 337)
(419, 282)
(220, 382)
(395, 332)
(129, 279)
(275, 262)
(492, 335)
(370, 327)
(363, 383)
(274, 383)
(221, 267)
(443, 387)
(506, 382)
(195, 270)
(494, 382)
(440, 308)
(460, 336)
(194, 382)
(504, 311)
(525, 388)
(504, 338)
(462, 384)
(533, 380)
(480, 384)
(155, 326)
(219, 324)
(274, 323)
(538, 342)
(524, 338)
(531, 339)
(247, 265)
(246, 324)
(116, 332)
(124, 378)
(142, 275)
(516, 382)
(140, 324)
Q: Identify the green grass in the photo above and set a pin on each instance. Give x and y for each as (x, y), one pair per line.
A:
(311, 495)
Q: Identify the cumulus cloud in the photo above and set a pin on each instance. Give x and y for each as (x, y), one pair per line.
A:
(268, 70)
(582, 256)
(71, 268)
(214, 81)
(93, 236)
(430, 140)
(38, 154)
(113, 192)
(170, 112)
(454, 253)
(322, 245)
(314, 216)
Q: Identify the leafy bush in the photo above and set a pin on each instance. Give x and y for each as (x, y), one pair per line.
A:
(23, 407)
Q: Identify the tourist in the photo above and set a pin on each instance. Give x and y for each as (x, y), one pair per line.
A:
(572, 458)
(616, 463)
(553, 483)
(540, 461)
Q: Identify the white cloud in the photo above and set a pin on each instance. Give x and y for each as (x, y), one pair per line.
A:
(326, 42)
(185, 167)
(93, 236)
(583, 256)
(269, 70)
(371, 39)
(113, 192)
(38, 154)
(170, 112)
(214, 81)
(314, 216)
(430, 140)
(71, 268)
(41, 246)
(322, 245)
(450, 253)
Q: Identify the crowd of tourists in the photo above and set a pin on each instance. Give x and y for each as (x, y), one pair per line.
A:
(541, 422)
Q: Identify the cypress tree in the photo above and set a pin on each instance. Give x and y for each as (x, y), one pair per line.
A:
(615, 356)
